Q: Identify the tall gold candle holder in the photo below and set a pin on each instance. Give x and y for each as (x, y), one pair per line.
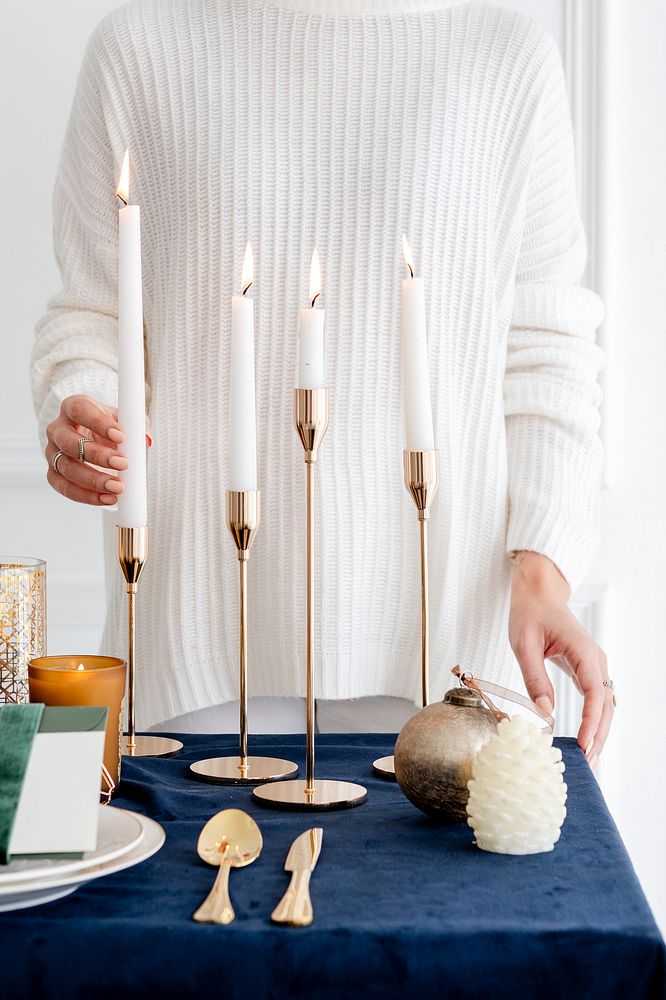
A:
(132, 553)
(311, 423)
(421, 472)
(243, 517)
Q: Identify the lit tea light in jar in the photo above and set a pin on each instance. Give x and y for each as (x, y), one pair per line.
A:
(84, 680)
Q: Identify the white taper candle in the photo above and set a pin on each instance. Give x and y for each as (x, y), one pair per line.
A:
(415, 373)
(242, 410)
(311, 335)
(132, 503)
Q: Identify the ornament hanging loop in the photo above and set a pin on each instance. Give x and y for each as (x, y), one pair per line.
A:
(483, 687)
(467, 679)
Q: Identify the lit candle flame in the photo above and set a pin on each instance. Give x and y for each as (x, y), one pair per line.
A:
(247, 274)
(407, 251)
(80, 667)
(315, 278)
(123, 183)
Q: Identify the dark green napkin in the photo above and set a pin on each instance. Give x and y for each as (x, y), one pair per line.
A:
(18, 726)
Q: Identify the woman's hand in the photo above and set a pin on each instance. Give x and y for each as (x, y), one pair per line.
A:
(541, 626)
(80, 417)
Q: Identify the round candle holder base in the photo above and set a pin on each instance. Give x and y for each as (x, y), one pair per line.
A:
(324, 795)
(150, 746)
(384, 767)
(243, 771)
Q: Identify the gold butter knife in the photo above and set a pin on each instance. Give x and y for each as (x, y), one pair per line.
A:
(295, 907)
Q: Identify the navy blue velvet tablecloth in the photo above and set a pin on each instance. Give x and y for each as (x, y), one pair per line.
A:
(404, 907)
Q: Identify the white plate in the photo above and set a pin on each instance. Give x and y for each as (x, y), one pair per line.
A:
(26, 899)
(119, 831)
(21, 895)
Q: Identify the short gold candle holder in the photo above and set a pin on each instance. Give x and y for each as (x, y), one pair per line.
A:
(132, 553)
(311, 423)
(243, 517)
(421, 472)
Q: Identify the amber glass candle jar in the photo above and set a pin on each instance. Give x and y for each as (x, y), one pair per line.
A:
(84, 680)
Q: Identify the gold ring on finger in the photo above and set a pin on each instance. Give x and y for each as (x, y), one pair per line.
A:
(82, 443)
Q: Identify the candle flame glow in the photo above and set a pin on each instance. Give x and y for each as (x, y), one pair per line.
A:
(407, 251)
(315, 278)
(247, 274)
(80, 667)
(123, 183)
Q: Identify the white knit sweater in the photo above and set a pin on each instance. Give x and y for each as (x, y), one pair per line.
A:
(340, 124)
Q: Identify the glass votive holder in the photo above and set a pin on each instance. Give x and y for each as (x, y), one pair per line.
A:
(85, 680)
(22, 623)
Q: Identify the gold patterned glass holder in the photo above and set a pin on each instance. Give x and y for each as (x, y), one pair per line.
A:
(311, 423)
(132, 553)
(22, 624)
(421, 472)
(243, 517)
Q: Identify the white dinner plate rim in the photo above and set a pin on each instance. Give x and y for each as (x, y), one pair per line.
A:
(25, 900)
(151, 842)
(76, 865)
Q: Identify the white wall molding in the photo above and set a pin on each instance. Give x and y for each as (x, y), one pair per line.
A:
(74, 613)
(21, 461)
(584, 43)
(76, 600)
(583, 50)
(586, 602)
(582, 20)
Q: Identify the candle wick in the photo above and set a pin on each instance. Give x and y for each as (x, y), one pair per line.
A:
(120, 198)
(411, 270)
(247, 288)
(314, 300)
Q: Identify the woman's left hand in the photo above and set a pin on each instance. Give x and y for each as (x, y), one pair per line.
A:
(541, 627)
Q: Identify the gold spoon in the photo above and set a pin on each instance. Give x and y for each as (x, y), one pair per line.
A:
(230, 839)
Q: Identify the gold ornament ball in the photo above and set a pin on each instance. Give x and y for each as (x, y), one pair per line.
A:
(435, 751)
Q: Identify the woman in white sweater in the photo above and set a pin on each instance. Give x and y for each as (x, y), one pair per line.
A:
(340, 124)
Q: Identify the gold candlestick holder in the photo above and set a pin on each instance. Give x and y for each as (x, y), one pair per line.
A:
(421, 472)
(132, 553)
(243, 517)
(311, 423)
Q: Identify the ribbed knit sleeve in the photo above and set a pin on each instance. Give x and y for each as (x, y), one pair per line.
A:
(75, 350)
(551, 390)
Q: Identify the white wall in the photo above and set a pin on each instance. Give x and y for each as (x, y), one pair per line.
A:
(632, 267)
(622, 162)
(41, 48)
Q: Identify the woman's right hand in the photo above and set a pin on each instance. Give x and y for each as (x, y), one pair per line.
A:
(80, 417)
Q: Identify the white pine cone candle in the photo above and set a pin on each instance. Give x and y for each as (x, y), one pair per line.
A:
(517, 792)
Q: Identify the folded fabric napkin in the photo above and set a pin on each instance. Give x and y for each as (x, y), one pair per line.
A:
(18, 727)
